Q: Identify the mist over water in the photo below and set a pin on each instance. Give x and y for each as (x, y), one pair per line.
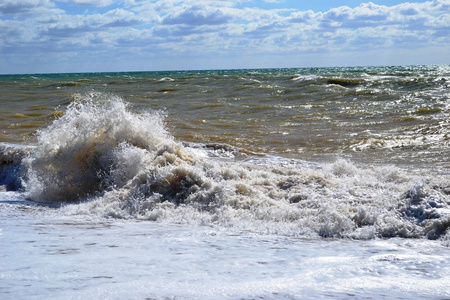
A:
(272, 157)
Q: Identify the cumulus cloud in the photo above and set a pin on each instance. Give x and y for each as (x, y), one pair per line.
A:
(22, 6)
(364, 15)
(97, 3)
(197, 16)
(301, 16)
(80, 24)
(225, 26)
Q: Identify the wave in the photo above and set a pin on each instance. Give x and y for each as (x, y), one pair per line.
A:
(346, 82)
(100, 158)
(428, 137)
(74, 157)
(298, 77)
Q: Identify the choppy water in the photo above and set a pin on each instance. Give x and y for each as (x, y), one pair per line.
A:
(262, 166)
(394, 114)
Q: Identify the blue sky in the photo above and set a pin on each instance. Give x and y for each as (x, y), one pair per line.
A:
(42, 36)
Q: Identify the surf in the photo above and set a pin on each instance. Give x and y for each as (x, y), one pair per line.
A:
(102, 158)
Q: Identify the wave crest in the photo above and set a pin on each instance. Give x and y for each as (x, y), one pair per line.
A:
(127, 165)
(78, 155)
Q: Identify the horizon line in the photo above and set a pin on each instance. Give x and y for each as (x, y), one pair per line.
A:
(221, 69)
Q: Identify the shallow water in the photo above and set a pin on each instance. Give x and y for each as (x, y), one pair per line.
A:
(63, 257)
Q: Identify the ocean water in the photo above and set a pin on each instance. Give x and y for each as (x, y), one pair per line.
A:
(230, 184)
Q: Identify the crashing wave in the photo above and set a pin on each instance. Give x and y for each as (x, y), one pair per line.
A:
(116, 163)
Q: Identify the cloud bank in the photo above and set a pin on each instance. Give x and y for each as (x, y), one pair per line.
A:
(99, 35)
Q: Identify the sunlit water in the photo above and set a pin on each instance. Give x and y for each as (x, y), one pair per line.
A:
(242, 184)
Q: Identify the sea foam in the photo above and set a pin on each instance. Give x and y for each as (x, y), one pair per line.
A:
(103, 159)
(76, 156)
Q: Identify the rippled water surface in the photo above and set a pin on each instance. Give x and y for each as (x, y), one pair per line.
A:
(396, 115)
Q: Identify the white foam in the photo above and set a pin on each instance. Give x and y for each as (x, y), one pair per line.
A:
(75, 155)
(166, 79)
(305, 77)
(126, 165)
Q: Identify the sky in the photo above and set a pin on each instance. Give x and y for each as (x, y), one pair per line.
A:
(47, 36)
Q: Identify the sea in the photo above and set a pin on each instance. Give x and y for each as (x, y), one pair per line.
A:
(301, 183)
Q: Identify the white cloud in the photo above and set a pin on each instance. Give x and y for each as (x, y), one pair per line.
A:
(197, 16)
(22, 6)
(301, 16)
(226, 28)
(81, 24)
(97, 3)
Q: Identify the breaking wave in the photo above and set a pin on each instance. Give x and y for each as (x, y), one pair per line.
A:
(100, 158)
